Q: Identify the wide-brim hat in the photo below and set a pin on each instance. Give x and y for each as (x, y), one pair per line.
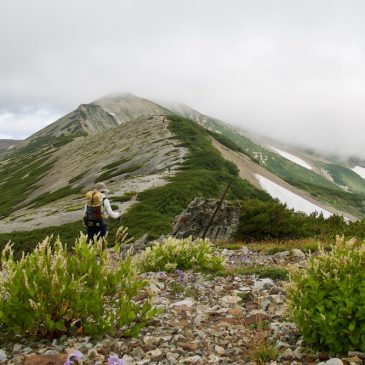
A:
(102, 187)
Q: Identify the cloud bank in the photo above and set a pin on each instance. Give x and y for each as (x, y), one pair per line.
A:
(288, 69)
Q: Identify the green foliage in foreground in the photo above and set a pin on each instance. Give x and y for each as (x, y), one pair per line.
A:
(172, 254)
(327, 298)
(55, 291)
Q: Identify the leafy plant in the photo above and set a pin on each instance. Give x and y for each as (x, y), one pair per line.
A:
(326, 299)
(174, 253)
(55, 291)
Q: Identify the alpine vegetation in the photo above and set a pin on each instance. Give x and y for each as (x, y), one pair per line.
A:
(326, 299)
(55, 291)
(173, 253)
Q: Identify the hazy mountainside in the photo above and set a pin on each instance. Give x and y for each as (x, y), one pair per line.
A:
(126, 107)
(331, 183)
(128, 143)
(6, 144)
(98, 116)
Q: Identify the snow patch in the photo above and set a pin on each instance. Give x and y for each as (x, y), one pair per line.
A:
(292, 158)
(292, 200)
(359, 170)
(261, 157)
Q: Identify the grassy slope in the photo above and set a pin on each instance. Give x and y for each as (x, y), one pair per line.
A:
(298, 176)
(204, 173)
(346, 177)
(23, 167)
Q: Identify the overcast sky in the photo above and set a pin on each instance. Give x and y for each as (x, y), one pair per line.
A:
(289, 69)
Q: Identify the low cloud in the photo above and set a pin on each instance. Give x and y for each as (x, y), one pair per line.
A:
(22, 123)
(288, 69)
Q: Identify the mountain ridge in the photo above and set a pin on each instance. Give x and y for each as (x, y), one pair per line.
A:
(120, 126)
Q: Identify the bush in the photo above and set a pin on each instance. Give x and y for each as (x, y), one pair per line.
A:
(326, 299)
(54, 291)
(173, 253)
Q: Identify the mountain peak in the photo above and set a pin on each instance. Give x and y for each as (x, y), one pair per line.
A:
(117, 96)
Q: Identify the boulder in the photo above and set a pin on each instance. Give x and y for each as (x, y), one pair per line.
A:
(195, 220)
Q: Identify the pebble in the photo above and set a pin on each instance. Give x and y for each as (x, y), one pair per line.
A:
(297, 253)
(264, 284)
(17, 347)
(334, 361)
(156, 355)
(361, 355)
(219, 350)
(186, 303)
(3, 356)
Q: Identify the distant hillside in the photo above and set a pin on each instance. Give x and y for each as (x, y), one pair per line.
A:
(6, 144)
(122, 139)
(335, 186)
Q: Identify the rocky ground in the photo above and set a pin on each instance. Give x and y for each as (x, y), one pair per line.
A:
(206, 319)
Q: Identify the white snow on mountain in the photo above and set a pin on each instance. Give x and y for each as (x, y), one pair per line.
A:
(359, 170)
(292, 200)
(292, 158)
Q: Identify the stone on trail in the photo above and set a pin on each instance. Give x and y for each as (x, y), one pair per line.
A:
(264, 284)
(185, 305)
(3, 356)
(297, 253)
(58, 359)
(334, 361)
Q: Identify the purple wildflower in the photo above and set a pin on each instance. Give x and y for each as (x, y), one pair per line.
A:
(115, 360)
(181, 275)
(77, 355)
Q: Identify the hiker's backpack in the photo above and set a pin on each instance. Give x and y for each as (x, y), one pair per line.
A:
(94, 209)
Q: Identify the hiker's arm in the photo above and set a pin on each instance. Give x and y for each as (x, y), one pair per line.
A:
(109, 210)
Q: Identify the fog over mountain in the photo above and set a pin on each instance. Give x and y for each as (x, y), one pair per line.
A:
(291, 70)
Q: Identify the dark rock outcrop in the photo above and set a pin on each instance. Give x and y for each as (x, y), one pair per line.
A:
(195, 220)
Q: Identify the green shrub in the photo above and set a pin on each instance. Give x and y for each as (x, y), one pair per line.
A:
(54, 291)
(226, 141)
(173, 253)
(326, 299)
(125, 197)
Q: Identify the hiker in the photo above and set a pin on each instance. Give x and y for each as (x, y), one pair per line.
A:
(97, 210)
